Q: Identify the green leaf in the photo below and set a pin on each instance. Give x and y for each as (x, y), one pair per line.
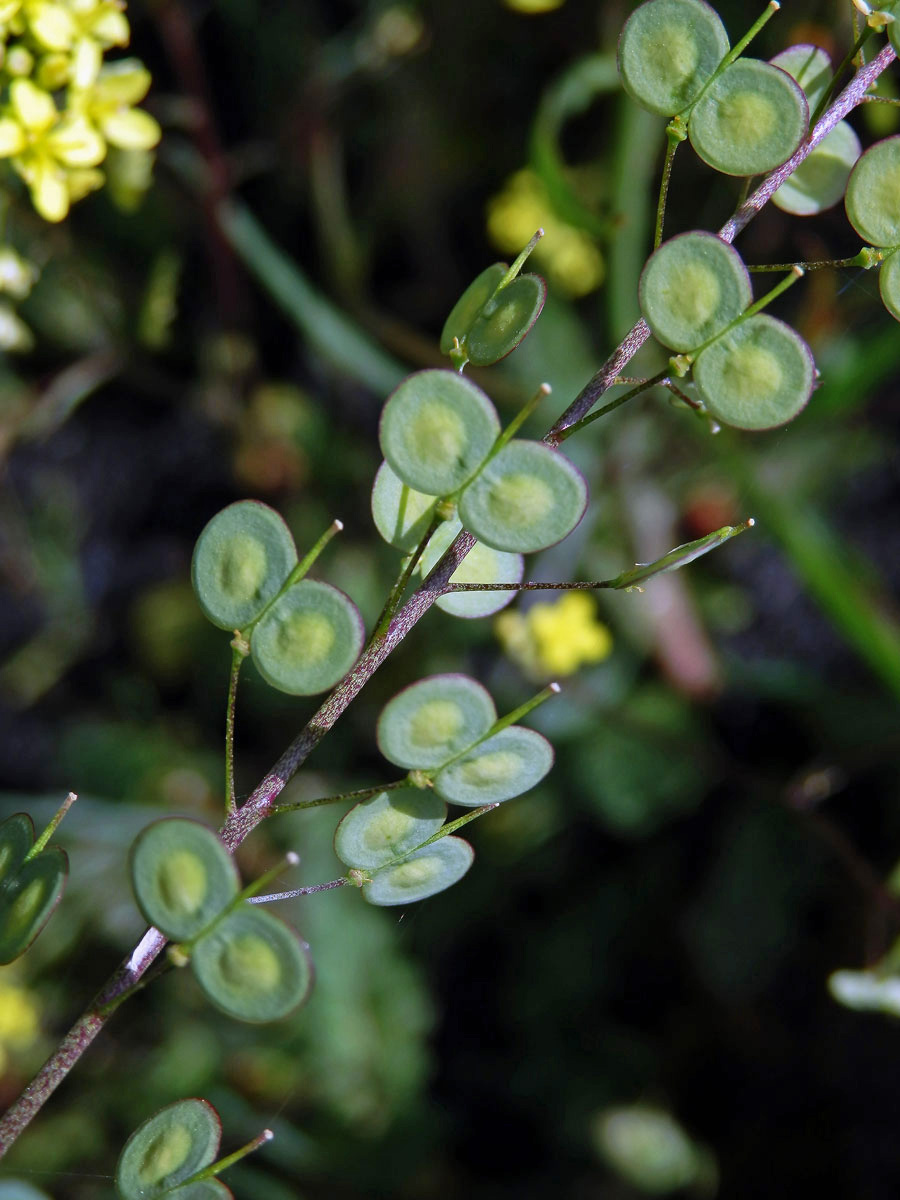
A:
(436, 430)
(667, 52)
(821, 179)
(387, 826)
(308, 640)
(470, 304)
(433, 720)
(502, 766)
(182, 876)
(889, 284)
(421, 874)
(873, 194)
(529, 496)
(750, 119)
(401, 514)
(481, 565)
(691, 288)
(242, 558)
(253, 966)
(167, 1149)
(28, 896)
(756, 376)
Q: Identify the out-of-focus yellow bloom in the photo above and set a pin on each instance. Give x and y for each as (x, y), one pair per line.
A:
(534, 6)
(107, 104)
(570, 258)
(19, 1024)
(54, 153)
(555, 638)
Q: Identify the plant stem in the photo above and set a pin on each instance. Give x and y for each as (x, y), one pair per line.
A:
(642, 387)
(261, 803)
(862, 259)
(673, 141)
(304, 891)
(396, 593)
(358, 795)
(237, 658)
(51, 828)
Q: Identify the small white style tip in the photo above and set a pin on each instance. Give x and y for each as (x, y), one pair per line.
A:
(555, 688)
(751, 521)
(545, 389)
(266, 1135)
(292, 858)
(337, 525)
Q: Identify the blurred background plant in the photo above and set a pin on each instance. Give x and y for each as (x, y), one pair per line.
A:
(639, 957)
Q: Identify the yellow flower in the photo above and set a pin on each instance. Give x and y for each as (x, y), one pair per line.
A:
(54, 153)
(555, 638)
(107, 104)
(19, 1024)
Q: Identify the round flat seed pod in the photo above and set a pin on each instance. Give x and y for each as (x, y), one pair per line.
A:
(308, 639)
(470, 304)
(873, 194)
(242, 557)
(503, 766)
(422, 874)
(436, 430)
(182, 876)
(481, 565)
(401, 514)
(889, 284)
(893, 32)
(749, 120)
(668, 49)
(170, 1146)
(388, 826)
(758, 375)
(206, 1189)
(253, 966)
(691, 288)
(528, 497)
(433, 720)
(505, 320)
(821, 179)
(810, 66)
(16, 839)
(28, 896)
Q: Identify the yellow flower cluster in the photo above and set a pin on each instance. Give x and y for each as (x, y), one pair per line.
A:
(64, 105)
(555, 638)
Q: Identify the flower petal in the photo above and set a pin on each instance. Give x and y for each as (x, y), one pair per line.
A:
(76, 143)
(33, 106)
(131, 129)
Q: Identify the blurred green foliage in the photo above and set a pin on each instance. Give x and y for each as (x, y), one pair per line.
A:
(655, 924)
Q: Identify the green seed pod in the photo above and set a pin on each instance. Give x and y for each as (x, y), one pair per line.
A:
(433, 720)
(204, 1189)
(889, 284)
(28, 896)
(758, 375)
(172, 1145)
(387, 826)
(810, 66)
(691, 288)
(308, 639)
(821, 179)
(436, 430)
(668, 49)
(505, 320)
(750, 119)
(893, 32)
(16, 839)
(253, 966)
(504, 765)
(470, 304)
(182, 876)
(422, 874)
(481, 565)
(400, 513)
(528, 497)
(873, 194)
(242, 557)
